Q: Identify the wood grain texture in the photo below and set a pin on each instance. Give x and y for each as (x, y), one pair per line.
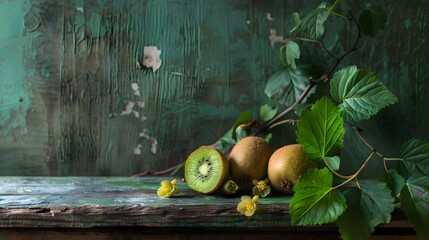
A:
(67, 67)
(177, 234)
(52, 206)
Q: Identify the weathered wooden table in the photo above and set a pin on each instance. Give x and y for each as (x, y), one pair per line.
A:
(129, 208)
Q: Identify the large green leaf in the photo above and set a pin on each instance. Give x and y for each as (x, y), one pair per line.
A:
(415, 202)
(394, 181)
(290, 52)
(367, 206)
(415, 156)
(314, 201)
(313, 24)
(372, 20)
(320, 130)
(288, 84)
(360, 93)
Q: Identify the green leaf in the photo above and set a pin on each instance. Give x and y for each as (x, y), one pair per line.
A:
(241, 133)
(267, 112)
(288, 84)
(224, 143)
(320, 130)
(244, 117)
(415, 203)
(227, 140)
(291, 52)
(367, 206)
(314, 201)
(268, 137)
(334, 162)
(296, 18)
(415, 156)
(314, 23)
(394, 181)
(360, 93)
(372, 20)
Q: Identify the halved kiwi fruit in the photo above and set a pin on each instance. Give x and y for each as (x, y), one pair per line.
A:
(206, 169)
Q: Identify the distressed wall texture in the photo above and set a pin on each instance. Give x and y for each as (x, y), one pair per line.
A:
(74, 102)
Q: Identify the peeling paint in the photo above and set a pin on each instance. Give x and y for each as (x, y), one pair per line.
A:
(153, 141)
(15, 46)
(129, 108)
(152, 57)
(136, 89)
(273, 37)
(138, 150)
(269, 17)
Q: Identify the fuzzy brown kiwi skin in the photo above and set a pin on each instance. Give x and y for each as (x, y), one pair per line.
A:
(225, 167)
(248, 160)
(285, 167)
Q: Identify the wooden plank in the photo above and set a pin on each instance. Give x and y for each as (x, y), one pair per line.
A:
(180, 234)
(82, 202)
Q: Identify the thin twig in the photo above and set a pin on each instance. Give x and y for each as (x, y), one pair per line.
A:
(291, 121)
(352, 49)
(385, 165)
(323, 78)
(362, 137)
(320, 43)
(289, 109)
(357, 172)
(335, 172)
(158, 173)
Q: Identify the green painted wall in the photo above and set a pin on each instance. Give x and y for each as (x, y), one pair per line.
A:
(67, 71)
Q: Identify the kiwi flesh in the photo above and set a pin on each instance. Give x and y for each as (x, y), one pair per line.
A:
(248, 161)
(286, 165)
(206, 169)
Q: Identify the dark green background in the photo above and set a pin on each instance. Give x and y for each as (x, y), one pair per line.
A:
(66, 69)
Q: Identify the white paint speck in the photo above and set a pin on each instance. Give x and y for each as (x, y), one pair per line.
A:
(135, 88)
(248, 22)
(140, 104)
(178, 74)
(152, 57)
(138, 150)
(128, 108)
(151, 139)
(80, 9)
(136, 114)
(269, 17)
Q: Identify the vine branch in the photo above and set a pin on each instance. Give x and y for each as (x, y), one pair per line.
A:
(335, 172)
(357, 172)
(323, 78)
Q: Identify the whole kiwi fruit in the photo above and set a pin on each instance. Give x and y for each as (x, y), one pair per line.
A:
(206, 169)
(286, 165)
(248, 161)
